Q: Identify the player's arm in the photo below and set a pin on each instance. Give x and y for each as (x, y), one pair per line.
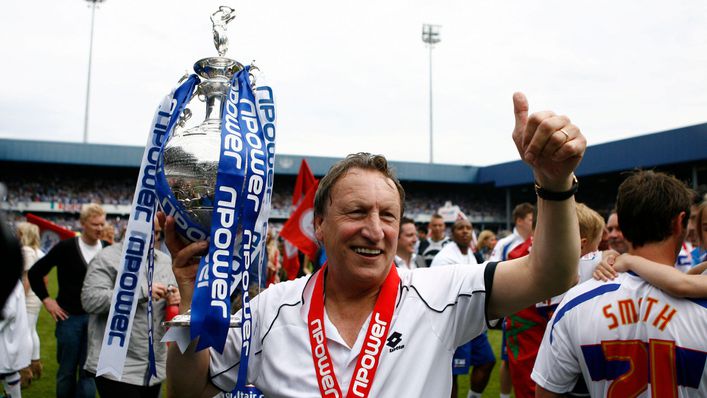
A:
(604, 271)
(698, 269)
(662, 276)
(188, 372)
(551, 267)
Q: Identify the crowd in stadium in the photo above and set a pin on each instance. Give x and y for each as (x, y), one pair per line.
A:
(77, 190)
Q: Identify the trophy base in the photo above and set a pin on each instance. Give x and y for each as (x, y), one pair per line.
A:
(184, 320)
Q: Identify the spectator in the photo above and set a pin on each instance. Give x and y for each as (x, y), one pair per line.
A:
(407, 239)
(484, 246)
(71, 257)
(616, 237)
(96, 295)
(108, 234)
(690, 253)
(523, 218)
(28, 234)
(436, 241)
(274, 259)
(421, 235)
(477, 352)
(591, 231)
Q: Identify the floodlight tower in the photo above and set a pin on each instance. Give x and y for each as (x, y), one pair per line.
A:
(430, 35)
(88, 79)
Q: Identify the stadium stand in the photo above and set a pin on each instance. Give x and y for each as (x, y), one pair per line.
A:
(49, 177)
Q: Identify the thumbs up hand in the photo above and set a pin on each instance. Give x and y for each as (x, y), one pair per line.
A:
(549, 143)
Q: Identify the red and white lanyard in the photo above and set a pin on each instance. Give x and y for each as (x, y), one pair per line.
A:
(369, 356)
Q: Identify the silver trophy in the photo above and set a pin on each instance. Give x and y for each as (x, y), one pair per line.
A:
(191, 155)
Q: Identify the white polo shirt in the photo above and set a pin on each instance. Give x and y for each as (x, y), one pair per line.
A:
(451, 254)
(627, 336)
(437, 309)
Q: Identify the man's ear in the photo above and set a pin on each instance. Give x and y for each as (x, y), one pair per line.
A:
(583, 244)
(678, 227)
(318, 228)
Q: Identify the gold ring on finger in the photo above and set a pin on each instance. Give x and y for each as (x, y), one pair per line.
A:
(567, 136)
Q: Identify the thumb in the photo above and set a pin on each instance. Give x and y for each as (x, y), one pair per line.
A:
(520, 109)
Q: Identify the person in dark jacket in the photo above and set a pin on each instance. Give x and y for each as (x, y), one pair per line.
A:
(71, 257)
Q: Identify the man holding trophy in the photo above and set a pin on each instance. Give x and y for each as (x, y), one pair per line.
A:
(358, 325)
(362, 327)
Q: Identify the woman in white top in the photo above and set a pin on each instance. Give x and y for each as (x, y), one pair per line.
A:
(28, 234)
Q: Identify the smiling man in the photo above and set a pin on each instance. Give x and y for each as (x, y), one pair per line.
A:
(361, 326)
(406, 255)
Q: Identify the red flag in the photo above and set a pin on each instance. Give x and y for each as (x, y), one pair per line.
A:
(49, 233)
(305, 180)
(290, 260)
(46, 225)
(299, 229)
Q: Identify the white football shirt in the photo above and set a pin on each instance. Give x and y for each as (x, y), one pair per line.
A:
(437, 309)
(628, 339)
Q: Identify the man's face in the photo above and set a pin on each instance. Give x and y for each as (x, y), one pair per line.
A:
(461, 233)
(604, 241)
(616, 237)
(492, 242)
(92, 228)
(692, 227)
(436, 228)
(407, 239)
(359, 227)
(525, 224)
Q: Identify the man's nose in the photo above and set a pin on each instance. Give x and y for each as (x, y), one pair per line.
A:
(373, 230)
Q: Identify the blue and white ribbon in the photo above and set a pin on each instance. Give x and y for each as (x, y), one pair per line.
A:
(265, 103)
(211, 301)
(242, 203)
(253, 232)
(138, 242)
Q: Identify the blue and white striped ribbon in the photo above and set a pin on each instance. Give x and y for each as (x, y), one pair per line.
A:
(138, 242)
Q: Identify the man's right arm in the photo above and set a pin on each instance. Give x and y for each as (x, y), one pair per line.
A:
(188, 372)
(36, 276)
